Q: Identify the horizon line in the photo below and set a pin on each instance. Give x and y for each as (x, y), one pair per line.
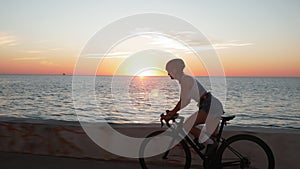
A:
(257, 76)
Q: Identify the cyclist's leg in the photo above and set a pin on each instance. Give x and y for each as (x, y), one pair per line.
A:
(194, 120)
(212, 120)
(200, 117)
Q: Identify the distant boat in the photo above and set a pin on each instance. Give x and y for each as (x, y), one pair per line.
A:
(63, 74)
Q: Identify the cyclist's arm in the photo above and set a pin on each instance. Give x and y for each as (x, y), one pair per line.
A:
(176, 108)
(174, 111)
(185, 95)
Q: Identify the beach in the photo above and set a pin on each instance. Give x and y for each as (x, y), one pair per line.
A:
(54, 138)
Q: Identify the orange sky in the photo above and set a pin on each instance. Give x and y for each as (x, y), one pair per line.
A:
(233, 66)
(260, 42)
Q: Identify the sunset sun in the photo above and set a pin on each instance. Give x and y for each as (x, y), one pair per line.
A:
(151, 73)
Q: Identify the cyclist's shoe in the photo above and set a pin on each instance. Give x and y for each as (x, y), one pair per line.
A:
(211, 149)
(199, 145)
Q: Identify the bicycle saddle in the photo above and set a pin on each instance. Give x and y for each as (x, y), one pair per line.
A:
(227, 117)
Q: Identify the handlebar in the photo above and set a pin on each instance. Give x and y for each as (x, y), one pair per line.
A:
(181, 119)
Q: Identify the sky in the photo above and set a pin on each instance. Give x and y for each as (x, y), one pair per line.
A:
(251, 38)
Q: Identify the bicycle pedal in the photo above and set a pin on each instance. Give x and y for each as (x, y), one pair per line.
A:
(211, 149)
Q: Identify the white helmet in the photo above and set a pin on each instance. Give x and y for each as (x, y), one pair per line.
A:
(175, 64)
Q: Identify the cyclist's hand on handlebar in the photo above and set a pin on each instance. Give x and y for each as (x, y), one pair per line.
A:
(167, 117)
(170, 115)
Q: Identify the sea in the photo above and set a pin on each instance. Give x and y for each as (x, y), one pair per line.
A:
(269, 102)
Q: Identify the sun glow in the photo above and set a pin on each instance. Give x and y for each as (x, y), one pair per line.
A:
(151, 73)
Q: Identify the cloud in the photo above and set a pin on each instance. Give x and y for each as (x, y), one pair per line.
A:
(47, 63)
(39, 60)
(43, 49)
(34, 51)
(191, 40)
(7, 39)
(184, 42)
(109, 55)
(208, 44)
(230, 44)
(27, 58)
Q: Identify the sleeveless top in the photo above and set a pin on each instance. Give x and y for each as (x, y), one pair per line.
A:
(190, 89)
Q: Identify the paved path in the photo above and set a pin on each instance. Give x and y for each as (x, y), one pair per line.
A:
(29, 161)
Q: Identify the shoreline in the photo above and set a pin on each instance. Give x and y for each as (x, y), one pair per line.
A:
(77, 123)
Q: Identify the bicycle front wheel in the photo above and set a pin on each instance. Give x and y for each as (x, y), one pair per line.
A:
(245, 151)
(176, 156)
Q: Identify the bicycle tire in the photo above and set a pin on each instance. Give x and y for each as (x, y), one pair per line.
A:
(235, 151)
(159, 162)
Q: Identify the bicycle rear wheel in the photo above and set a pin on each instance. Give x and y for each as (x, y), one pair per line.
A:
(245, 151)
(178, 157)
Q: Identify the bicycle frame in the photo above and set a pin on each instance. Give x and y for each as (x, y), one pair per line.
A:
(177, 129)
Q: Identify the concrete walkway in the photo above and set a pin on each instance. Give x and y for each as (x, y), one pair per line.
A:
(24, 161)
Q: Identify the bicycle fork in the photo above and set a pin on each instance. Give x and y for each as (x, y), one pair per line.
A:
(171, 144)
(168, 151)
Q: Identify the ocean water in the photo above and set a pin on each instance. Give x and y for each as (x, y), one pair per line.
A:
(256, 101)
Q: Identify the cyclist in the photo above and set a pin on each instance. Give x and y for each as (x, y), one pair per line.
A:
(210, 108)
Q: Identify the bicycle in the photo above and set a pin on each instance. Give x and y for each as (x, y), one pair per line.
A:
(232, 152)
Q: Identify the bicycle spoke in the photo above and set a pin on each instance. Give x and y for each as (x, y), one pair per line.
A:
(245, 151)
(235, 152)
(231, 162)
